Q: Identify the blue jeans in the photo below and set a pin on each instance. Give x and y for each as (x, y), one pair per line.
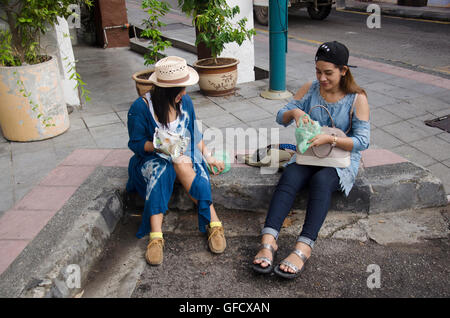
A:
(322, 181)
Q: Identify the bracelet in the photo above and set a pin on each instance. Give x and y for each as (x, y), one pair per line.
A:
(334, 141)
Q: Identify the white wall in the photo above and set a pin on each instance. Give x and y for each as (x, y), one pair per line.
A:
(246, 52)
(57, 42)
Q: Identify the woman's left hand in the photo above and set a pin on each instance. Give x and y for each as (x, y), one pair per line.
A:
(218, 164)
(320, 139)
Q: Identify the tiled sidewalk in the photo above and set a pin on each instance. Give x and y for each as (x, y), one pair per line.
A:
(20, 224)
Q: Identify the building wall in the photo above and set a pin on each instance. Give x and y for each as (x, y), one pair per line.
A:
(246, 52)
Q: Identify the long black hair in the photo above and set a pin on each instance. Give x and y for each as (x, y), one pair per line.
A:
(162, 98)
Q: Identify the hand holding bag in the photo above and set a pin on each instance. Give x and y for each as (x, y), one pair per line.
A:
(327, 155)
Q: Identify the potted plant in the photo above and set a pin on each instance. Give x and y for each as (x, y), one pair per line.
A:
(156, 10)
(218, 75)
(32, 106)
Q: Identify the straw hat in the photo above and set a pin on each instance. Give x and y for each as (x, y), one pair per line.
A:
(172, 71)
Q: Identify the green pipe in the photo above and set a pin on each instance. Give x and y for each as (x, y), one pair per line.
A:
(278, 28)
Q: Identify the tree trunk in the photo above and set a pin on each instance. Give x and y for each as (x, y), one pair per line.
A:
(16, 38)
(203, 51)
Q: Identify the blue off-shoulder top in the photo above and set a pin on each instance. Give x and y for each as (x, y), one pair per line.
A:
(360, 129)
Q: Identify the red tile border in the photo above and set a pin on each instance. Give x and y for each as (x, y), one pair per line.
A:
(67, 176)
(380, 157)
(19, 225)
(86, 157)
(23, 224)
(9, 250)
(45, 198)
(118, 158)
(441, 82)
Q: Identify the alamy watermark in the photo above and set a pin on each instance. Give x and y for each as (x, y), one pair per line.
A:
(74, 20)
(239, 142)
(374, 279)
(72, 275)
(374, 20)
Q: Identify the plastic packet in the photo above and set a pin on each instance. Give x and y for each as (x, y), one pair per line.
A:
(170, 143)
(304, 132)
(222, 156)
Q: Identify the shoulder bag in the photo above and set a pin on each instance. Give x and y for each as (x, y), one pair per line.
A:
(327, 155)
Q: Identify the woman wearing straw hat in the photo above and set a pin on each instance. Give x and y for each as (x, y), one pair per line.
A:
(152, 173)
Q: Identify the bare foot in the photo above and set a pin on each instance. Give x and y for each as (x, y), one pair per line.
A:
(264, 252)
(294, 259)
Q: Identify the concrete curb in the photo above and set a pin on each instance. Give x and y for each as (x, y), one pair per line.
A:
(379, 189)
(60, 257)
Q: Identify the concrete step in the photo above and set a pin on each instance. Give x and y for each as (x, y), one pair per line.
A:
(393, 185)
(140, 46)
(182, 38)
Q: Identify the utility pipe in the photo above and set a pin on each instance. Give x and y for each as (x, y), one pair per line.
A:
(278, 28)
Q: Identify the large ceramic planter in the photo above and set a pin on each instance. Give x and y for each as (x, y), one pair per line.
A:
(217, 80)
(42, 114)
(143, 85)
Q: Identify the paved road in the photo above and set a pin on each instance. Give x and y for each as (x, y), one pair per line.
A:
(414, 44)
(411, 43)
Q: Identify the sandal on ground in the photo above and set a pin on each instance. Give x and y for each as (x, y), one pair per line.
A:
(216, 239)
(265, 270)
(154, 253)
(296, 270)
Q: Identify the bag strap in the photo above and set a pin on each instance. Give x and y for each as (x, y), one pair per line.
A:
(324, 156)
(351, 114)
(328, 112)
(332, 121)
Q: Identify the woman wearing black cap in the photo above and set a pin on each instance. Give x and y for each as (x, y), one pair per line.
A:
(335, 89)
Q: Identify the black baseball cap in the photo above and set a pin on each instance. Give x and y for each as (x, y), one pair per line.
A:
(333, 52)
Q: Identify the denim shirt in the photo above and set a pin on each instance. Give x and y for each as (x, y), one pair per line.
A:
(360, 131)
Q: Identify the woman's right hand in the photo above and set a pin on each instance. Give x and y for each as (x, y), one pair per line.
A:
(301, 115)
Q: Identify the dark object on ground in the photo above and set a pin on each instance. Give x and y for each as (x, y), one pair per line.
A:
(440, 122)
(413, 3)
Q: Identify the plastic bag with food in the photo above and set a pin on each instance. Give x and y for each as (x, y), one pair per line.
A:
(304, 133)
(170, 143)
